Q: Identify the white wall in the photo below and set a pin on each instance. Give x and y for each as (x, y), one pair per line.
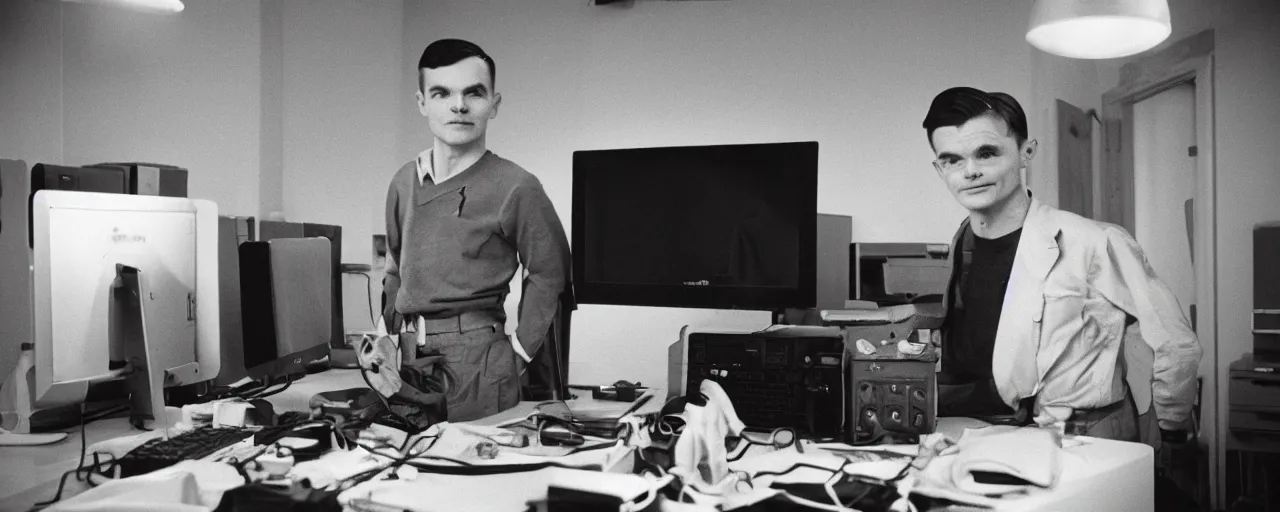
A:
(855, 76)
(180, 90)
(31, 84)
(1076, 82)
(83, 84)
(341, 120)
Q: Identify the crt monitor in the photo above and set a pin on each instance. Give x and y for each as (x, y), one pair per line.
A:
(81, 239)
(720, 227)
(286, 304)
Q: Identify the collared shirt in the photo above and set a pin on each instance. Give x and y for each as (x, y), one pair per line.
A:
(427, 168)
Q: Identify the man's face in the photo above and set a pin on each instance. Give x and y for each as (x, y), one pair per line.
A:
(980, 161)
(458, 101)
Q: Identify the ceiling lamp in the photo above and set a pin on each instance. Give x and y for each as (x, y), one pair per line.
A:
(153, 6)
(1098, 29)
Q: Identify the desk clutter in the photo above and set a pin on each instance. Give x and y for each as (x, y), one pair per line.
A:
(691, 453)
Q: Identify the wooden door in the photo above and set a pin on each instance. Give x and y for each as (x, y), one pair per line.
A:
(1075, 160)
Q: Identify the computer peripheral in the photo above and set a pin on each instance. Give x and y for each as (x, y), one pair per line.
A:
(286, 300)
(125, 278)
(195, 444)
(782, 378)
(892, 377)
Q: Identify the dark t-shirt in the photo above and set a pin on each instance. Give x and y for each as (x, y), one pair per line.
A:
(974, 319)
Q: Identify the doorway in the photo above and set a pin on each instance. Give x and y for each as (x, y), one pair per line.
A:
(1164, 187)
(1158, 182)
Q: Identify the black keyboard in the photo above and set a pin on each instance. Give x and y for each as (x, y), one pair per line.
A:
(196, 444)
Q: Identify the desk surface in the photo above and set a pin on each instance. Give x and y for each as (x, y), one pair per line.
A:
(29, 474)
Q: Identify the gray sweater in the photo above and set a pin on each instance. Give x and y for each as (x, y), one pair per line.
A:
(454, 247)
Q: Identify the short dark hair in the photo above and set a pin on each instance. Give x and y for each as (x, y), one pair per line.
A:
(447, 52)
(957, 105)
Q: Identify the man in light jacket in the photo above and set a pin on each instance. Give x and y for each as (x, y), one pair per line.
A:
(1048, 312)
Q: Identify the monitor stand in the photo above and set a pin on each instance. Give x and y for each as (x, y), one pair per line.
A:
(15, 400)
(145, 380)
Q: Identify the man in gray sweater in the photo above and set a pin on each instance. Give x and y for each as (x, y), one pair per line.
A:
(460, 221)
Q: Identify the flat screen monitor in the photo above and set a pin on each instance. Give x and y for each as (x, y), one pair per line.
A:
(720, 227)
(272, 230)
(80, 240)
(286, 303)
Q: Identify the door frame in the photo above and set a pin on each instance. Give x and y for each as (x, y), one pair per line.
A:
(1187, 60)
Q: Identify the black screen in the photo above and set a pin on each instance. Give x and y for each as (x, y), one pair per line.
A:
(708, 226)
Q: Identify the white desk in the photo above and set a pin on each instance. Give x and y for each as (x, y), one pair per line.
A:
(29, 474)
(1103, 475)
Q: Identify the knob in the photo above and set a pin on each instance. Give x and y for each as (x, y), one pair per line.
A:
(895, 416)
(918, 421)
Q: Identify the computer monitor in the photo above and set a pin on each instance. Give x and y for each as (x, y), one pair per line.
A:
(332, 233)
(271, 230)
(720, 227)
(286, 304)
(82, 240)
(232, 231)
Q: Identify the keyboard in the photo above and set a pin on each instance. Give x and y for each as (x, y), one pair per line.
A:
(193, 445)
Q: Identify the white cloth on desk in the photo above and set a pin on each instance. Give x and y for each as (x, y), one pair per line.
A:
(1030, 454)
(336, 466)
(188, 486)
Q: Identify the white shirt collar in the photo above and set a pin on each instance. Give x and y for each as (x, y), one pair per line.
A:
(426, 167)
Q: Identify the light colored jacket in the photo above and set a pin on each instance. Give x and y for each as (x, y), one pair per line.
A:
(1067, 330)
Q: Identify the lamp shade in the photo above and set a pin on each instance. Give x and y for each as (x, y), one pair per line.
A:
(1098, 29)
(153, 6)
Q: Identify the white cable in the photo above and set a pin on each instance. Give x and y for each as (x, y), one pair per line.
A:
(655, 485)
(831, 490)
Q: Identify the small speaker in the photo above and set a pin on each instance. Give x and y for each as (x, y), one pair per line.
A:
(834, 235)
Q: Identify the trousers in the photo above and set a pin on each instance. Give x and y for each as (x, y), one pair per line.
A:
(1118, 421)
(477, 352)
